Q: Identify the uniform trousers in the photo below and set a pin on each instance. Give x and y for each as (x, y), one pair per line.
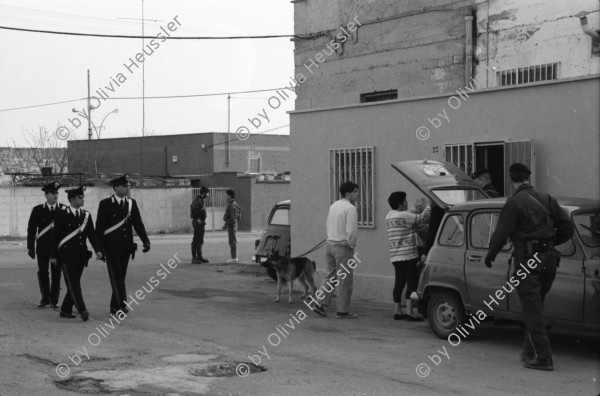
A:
(72, 271)
(117, 270)
(198, 239)
(50, 290)
(531, 292)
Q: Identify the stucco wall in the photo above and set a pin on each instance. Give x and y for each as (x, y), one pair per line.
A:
(562, 118)
(264, 196)
(162, 210)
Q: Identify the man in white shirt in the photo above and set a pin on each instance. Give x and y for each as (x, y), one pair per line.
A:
(342, 228)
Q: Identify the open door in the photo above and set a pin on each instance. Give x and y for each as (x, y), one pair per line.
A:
(518, 151)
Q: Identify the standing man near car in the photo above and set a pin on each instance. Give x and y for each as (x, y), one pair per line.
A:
(73, 226)
(40, 235)
(535, 223)
(232, 217)
(342, 230)
(117, 216)
(198, 215)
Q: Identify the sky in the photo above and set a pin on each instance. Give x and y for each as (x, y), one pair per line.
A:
(41, 68)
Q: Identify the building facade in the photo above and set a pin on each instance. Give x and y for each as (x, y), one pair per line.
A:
(479, 84)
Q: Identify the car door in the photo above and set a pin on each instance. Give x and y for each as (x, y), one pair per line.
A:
(565, 299)
(482, 282)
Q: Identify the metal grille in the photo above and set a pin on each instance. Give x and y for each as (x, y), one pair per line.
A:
(460, 155)
(216, 196)
(355, 165)
(526, 75)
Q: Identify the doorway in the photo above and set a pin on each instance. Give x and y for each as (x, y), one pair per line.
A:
(490, 156)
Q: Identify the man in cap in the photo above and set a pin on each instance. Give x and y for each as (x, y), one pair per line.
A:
(484, 179)
(117, 216)
(535, 223)
(73, 226)
(198, 215)
(40, 233)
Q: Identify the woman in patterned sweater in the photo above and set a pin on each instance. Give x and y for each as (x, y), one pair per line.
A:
(401, 227)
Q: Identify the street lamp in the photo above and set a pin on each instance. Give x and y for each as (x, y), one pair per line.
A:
(82, 113)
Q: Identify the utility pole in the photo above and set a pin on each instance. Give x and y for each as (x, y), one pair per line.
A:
(89, 108)
(143, 79)
(227, 160)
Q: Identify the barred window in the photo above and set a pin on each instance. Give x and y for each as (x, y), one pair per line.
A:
(355, 165)
(526, 75)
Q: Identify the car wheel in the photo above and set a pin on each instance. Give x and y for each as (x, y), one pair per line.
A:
(445, 312)
(272, 273)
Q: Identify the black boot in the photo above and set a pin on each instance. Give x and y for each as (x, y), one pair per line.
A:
(195, 259)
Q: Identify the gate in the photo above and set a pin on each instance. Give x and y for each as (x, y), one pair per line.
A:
(215, 206)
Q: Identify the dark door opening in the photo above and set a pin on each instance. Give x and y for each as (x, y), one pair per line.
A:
(491, 157)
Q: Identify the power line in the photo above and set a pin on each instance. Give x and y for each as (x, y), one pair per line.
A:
(164, 37)
(147, 97)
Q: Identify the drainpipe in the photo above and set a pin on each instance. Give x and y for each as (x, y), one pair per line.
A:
(587, 29)
(468, 48)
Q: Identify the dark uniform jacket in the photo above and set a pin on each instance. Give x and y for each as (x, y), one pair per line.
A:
(531, 214)
(75, 249)
(119, 241)
(198, 209)
(40, 218)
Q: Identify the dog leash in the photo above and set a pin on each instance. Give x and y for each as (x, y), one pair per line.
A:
(315, 248)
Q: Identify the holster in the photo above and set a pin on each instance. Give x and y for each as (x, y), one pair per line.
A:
(134, 247)
(88, 256)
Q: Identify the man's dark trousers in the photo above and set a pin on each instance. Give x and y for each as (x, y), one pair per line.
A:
(532, 291)
(198, 241)
(231, 230)
(50, 291)
(117, 270)
(72, 272)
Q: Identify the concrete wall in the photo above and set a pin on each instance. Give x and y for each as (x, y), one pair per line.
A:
(162, 210)
(153, 155)
(264, 196)
(273, 149)
(513, 33)
(418, 47)
(562, 118)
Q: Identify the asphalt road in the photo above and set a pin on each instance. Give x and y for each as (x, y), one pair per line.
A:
(187, 335)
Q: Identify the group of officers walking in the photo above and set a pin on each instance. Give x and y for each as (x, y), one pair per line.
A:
(57, 235)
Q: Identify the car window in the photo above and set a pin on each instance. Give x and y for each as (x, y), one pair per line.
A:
(453, 232)
(588, 227)
(280, 217)
(482, 229)
(453, 197)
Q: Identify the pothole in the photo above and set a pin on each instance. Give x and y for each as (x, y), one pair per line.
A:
(226, 370)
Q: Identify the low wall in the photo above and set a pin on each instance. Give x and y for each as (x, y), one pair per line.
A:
(265, 194)
(163, 210)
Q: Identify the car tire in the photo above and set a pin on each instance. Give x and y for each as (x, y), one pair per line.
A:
(272, 273)
(445, 312)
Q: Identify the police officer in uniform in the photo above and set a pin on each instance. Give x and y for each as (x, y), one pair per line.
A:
(198, 215)
(40, 235)
(72, 227)
(117, 215)
(535, 223)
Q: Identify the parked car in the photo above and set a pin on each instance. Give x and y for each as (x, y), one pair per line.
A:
(455, 283)
(276, 235)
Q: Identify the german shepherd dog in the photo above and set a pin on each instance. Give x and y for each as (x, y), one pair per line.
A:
(291, 269)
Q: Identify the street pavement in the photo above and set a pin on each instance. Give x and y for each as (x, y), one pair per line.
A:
(192, 326)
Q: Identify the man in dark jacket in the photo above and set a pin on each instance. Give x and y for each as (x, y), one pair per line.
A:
(73, 226)
(117, 216)
(198, 215)
(535, 223)
(40, 235)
